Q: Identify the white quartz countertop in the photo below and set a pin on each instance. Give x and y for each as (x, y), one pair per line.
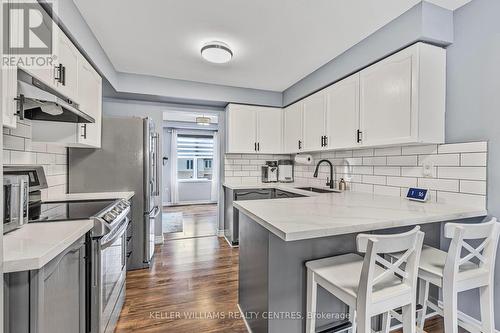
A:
(333, 214)
(90, 196)
(35, 244)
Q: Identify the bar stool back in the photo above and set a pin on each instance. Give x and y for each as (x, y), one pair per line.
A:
(371, 285)
(469, 267)
(469, 264)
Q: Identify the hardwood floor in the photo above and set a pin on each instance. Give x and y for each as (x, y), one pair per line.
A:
(197, 220)
(196, 276)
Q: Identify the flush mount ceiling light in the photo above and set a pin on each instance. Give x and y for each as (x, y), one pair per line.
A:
(204, 121)
(216, 52)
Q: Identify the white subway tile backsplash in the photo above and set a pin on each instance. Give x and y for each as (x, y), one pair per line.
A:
(56, 149)
(474, 159)
(13, 142)
(402, 181)
(343, 154)
(388, 151)
(440, 160)
(21, 130)
(469, 147)
(362, 152)
(451, 185)
(468, 173)
(458, 174)
(18, 148)
(45, 158)
(418, 150)
(473, 187)
(412, 171)
(6, 157)
(22, 157)
(362, 170)
(382, 160)
(387, 171)
(379, 180)
(402, 160)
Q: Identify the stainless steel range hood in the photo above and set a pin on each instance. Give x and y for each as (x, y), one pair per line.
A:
(39, 102)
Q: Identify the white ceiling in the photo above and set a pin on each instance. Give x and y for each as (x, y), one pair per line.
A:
(275, 42)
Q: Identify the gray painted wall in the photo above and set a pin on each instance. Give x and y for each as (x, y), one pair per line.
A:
(473, 97)
(423, 22)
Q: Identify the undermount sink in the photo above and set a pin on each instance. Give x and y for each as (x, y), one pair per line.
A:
(317, 190)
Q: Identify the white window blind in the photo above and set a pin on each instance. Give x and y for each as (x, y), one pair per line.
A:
(194, 146)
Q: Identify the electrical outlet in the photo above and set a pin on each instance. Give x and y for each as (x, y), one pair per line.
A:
(427, 170)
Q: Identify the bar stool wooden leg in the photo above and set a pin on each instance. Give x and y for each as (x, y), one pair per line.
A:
(312, 292)
(409, 318)
(423, 296)
(450, 308)
(487, 312)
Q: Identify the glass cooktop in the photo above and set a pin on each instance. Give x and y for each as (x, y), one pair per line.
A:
(66, 210)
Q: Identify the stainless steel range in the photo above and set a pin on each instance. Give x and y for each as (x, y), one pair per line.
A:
(108, 245)
(109, 266)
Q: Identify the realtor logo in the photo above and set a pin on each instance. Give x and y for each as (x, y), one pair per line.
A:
(27, 35)
(27, 29)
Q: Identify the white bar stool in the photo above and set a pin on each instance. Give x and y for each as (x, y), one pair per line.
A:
(454, 273)
(371, 285)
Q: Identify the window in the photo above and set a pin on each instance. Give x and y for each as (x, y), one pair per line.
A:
(194, 156)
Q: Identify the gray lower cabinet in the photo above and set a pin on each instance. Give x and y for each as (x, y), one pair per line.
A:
(48, 300)
(231, 214)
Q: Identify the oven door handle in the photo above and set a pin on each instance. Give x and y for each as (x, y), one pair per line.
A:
(105, 243)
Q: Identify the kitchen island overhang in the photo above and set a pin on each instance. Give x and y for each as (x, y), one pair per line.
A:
(272, 273)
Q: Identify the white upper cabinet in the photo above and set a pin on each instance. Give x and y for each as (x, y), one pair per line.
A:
(342, 113)
(402, 98)
(253, 129)
(9, 76)
(293, 133)
(314, 121)
(90, 99)
(241, 129)
(269, 130)
(66, 70)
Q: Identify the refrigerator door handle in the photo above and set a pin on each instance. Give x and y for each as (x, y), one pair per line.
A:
(156, 137)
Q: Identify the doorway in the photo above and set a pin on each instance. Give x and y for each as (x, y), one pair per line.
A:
(191, 185)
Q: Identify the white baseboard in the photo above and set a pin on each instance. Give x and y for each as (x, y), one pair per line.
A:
(159, 240)
(249, 330)
(220, 233)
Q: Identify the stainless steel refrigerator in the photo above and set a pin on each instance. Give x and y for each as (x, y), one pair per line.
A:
(127, 161)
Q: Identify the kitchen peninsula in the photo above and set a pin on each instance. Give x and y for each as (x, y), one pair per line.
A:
(277, 237)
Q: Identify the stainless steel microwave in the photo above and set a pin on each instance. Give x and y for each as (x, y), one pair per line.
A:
(15, 196)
